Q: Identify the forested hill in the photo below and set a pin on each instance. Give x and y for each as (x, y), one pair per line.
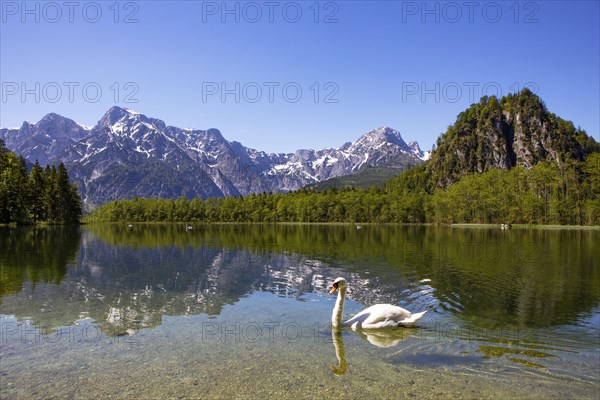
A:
(503, 161)
(517, 130)
(40, 195)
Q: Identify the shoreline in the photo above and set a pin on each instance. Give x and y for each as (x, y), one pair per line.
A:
(355, 224)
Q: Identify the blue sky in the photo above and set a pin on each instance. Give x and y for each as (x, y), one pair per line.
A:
(299, 74)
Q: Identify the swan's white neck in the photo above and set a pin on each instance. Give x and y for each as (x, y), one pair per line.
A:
(336, 317)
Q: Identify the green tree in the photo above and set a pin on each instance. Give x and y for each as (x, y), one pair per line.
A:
(68, 202)
(13, 187)
(51, 194)
(37, 193)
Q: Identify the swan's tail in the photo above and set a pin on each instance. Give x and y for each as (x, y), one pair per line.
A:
(410, 321)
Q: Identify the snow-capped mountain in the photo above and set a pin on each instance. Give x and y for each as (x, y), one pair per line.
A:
(423, 155)
(128, 154)
(46, 140)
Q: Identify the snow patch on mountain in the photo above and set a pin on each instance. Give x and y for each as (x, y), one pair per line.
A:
(127, 152)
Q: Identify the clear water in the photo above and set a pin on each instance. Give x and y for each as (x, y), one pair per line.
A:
(225, 311)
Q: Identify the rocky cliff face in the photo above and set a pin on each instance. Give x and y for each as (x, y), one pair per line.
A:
(45, 140)
(515, 130)
(127, 154)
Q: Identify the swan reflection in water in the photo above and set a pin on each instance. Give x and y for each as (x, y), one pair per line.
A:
(382, 339)
(338, 343)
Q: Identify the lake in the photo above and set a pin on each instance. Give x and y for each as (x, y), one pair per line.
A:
(226, 311)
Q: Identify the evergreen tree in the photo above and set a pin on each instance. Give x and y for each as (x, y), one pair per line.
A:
(68, 201)
(37, 193)
(13, 184)
(52, 194)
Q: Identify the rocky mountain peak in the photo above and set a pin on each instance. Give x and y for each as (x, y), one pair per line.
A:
(116, 114)
(215, 134)
(49, 118)
(414, 146)
(516, 130)
(128, 154)
(382, 136)
(56, 126)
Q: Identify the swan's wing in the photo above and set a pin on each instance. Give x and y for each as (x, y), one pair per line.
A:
(383, 312)
(378, 316)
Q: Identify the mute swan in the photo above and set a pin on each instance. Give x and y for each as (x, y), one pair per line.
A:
(379, 316)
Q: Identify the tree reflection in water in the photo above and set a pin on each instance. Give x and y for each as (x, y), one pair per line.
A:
(130, 277)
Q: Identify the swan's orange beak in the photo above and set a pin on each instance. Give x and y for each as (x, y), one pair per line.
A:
(333, 289)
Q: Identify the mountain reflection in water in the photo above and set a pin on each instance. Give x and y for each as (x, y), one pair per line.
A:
(127, 278)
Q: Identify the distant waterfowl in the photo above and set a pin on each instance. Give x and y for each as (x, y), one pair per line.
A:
(505, 226)
(188, 227)
(358, 227)
(378, 316)
(130, 225)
